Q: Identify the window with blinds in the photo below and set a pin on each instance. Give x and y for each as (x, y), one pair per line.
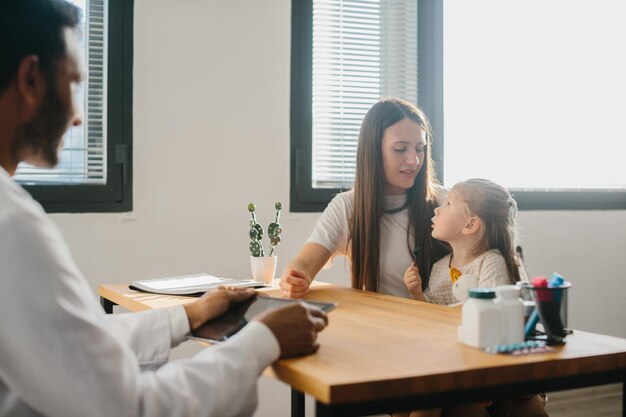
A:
(363, 50)
(83, 159)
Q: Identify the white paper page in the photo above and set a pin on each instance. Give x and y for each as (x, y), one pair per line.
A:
(182, 282)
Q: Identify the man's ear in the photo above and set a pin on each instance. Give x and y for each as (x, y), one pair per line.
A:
(472, 225)
(30, 82)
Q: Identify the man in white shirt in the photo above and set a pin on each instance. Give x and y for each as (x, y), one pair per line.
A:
(60, 355)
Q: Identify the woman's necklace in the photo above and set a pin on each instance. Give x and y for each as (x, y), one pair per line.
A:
(397, 209)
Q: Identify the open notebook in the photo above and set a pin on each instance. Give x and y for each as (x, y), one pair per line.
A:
(195, 284)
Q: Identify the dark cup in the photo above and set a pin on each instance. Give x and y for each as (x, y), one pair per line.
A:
(548, 301)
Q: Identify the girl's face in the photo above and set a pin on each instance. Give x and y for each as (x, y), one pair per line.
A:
(403, 155)
(450, 218)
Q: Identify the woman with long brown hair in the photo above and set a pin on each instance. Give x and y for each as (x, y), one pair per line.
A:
(380, 222)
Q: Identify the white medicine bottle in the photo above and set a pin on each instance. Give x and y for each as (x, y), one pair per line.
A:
(512, 310)
(481, 319)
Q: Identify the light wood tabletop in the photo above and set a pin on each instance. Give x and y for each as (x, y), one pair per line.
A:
(386, 350)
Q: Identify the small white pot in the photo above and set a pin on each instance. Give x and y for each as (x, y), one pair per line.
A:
(263, 268)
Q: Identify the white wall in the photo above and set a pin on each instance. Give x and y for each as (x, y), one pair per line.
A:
(211, 133)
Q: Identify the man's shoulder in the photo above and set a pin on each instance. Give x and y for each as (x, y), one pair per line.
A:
(17, 208)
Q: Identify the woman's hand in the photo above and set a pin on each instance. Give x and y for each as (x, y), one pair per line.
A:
(413, 282)
(294, 283)
(299, 273)
(214, 303)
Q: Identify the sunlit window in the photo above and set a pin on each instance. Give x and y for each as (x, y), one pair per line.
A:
(534, 93)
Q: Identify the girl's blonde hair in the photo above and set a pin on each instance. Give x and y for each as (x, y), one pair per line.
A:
(497, 209)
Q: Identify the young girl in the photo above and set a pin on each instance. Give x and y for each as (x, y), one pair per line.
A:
(477, 220)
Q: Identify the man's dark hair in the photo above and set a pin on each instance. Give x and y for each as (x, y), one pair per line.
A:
(33, 27)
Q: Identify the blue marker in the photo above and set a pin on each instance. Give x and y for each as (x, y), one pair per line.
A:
(556, 281)
(534, 316)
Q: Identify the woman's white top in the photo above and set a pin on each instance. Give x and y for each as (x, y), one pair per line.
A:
(332, 231)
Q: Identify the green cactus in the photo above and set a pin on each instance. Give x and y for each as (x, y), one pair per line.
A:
(256, 232)
(256, 248)
(274, 230)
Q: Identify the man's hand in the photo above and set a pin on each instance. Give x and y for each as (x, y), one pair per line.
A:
(214, 303)
(413, 282)
(294, 283)
(295, 326)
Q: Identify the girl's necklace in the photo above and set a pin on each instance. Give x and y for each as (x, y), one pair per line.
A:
(455, 274)
(397, 209)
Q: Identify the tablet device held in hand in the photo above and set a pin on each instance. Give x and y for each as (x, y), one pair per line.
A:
(238, 315)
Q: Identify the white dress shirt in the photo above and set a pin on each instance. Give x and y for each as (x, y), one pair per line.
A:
(60, 355)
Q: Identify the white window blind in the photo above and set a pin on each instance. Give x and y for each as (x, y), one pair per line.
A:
(362, 50)
(83, 157)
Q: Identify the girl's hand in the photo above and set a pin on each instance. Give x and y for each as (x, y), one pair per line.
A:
(413, 282)
(294, 283)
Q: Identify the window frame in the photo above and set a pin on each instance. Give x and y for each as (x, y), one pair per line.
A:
(304, 198)
(116, 194)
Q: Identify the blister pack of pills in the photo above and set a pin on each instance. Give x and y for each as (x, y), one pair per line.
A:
(525, 348)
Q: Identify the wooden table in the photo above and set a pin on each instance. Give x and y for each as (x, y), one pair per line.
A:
(382, 353)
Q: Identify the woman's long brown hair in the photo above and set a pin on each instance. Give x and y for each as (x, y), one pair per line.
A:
(369, 197)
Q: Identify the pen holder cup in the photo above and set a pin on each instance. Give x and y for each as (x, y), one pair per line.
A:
(551, 304)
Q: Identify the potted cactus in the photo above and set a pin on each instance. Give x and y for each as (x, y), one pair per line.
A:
(264, 266)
